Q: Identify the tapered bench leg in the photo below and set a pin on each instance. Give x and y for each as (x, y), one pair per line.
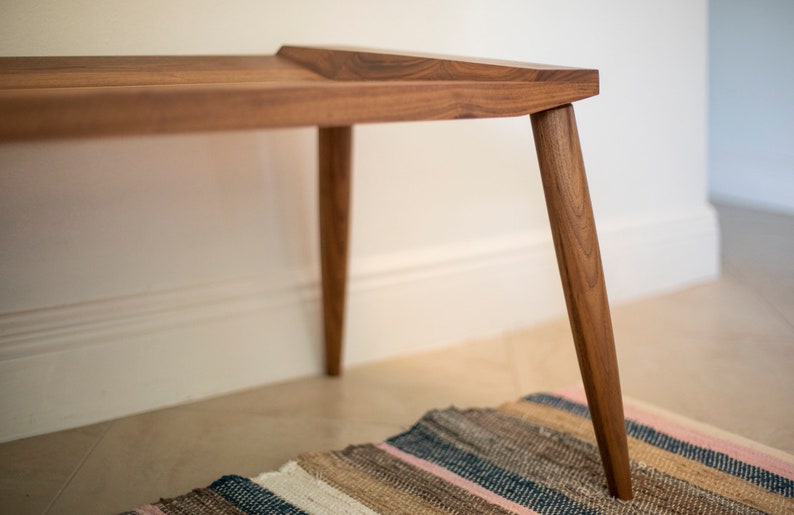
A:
(335, 145)
(579, 260)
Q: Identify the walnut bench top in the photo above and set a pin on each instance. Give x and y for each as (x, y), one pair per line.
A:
(58, 97)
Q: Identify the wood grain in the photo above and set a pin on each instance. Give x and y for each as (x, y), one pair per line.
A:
(335, 154)
(340, 63)
(579, 259)
(68, 97)
(106, 71)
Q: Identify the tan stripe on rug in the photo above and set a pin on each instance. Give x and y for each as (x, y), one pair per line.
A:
(674, 465)
(308, 492)
(370, 491)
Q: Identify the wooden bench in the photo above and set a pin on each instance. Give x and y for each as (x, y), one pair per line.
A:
(333, 89)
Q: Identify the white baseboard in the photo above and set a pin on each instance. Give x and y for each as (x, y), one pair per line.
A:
(756, 179)
(69, 366)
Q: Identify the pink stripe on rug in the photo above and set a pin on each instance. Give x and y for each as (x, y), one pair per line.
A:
(455, 479)
(688, 434)
(149, 509)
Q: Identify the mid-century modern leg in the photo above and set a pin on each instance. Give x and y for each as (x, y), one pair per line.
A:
(579, 260)
(335, 156)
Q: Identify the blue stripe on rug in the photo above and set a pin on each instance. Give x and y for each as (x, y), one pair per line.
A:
(716, 460)
(251, 498)
(423, 443)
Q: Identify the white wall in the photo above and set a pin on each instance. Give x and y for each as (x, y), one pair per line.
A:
(143, 272)
(751, 108)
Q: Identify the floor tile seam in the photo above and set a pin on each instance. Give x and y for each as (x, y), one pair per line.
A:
(78, 467)
(780, 314)
(760, 295)
(515, 368)
(297, 418)
(769, 284)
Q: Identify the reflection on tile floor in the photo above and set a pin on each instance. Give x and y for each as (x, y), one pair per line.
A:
(721, 353)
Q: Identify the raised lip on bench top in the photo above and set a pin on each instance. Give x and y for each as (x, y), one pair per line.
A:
(63, 97)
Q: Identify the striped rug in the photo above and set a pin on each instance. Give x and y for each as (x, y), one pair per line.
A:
(536, 455)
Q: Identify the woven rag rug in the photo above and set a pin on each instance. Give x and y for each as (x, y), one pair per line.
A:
(537, 455)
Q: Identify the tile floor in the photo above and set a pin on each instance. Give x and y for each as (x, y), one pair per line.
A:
(722, 353)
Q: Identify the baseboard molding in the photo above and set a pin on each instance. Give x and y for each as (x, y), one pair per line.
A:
(757, 179)
(68, 366)
(753, 202)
